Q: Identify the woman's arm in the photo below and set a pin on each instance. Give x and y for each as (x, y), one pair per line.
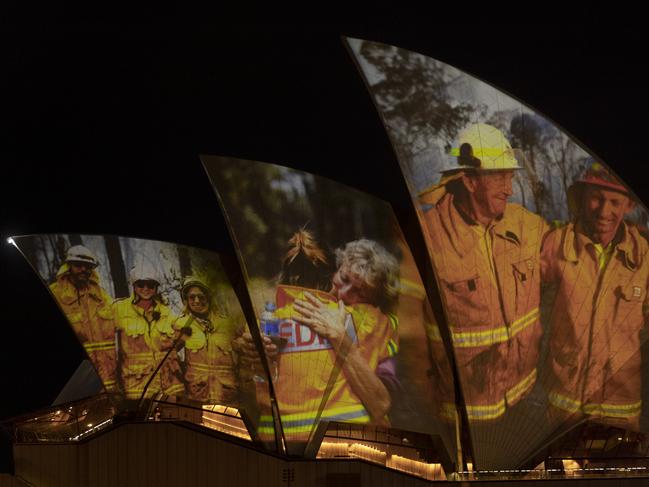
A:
(330, 324)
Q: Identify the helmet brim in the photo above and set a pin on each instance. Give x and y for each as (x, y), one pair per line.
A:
(479, 169)
(198, 284)
(602, 184)
(84, 262)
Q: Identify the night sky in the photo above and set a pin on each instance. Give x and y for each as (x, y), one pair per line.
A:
(102, 128)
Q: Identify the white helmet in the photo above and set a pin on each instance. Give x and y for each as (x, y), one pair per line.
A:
(81, 254)
(482, 147)
(144, 271)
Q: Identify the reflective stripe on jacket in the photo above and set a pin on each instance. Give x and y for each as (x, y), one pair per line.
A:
(490, 286)
(301, 424)
(596, 322)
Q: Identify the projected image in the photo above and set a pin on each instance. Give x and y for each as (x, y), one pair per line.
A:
(539, 251)
(156, 319)
(342, 311)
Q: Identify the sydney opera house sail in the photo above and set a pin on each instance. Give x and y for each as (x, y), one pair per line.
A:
(494, 324)
(157, 320)
(352, 333)
(539, 252)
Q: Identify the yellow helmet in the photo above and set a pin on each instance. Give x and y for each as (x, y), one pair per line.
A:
(482, 147)
(192, 281)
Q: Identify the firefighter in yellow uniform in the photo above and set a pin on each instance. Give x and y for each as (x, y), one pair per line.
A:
(145, 334)
(87, 307)
(209, 370)
(338, 346)
(600, 266)
(486, 253)
(426, 367)
(312, 384)
(338, 361)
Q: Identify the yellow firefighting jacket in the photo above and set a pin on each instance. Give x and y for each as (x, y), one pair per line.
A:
(89, 313)
(598, 313)
(209, 368)
(489, 280)
(423, 362)
(307, 369)
(144, 339)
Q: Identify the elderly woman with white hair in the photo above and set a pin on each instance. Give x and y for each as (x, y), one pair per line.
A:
(366, 286)
(343, 369)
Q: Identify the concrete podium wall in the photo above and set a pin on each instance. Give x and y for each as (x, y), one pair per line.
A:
(168, 454)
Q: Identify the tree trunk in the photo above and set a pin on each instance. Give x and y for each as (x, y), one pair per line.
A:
(75, 239)
(184, 261)
(117, 267)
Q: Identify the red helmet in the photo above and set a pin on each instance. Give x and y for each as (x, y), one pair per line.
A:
(599, 175)
(596, 175)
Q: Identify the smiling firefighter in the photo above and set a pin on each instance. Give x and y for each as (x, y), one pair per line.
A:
(486, 255)
(599, 265)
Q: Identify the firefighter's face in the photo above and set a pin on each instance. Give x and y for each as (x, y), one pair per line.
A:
(603, 210)
(197, 301)
(145, 289)
(490, 191)
(350, 288)
(80, 273)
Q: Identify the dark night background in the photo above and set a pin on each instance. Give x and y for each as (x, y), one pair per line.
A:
(102, 128)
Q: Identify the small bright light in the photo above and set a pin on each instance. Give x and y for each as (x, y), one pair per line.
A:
(89, 425)
(619, 438)
(10, 241)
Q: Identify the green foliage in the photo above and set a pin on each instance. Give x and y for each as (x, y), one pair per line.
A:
(551, 160)
(263, 207)
(413, 96)
(266, 204)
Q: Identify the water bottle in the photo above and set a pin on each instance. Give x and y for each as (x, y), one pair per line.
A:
(268, 322)
(269, 326)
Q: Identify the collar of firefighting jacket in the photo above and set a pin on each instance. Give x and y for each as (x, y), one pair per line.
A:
(508, 225)
(458, 225)
(455, 224)
(204, 323)
(202, 326)
(576, 240)
(69, 292)
(433, 194)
